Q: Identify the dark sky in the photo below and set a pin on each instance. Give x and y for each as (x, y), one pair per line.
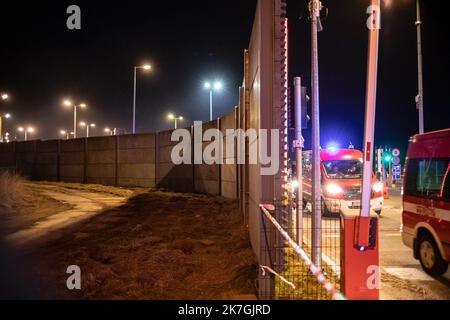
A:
(187, 42)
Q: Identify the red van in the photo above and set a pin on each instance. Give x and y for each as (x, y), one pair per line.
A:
(426, 200)
(341, 180)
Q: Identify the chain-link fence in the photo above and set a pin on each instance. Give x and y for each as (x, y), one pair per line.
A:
(291, 276)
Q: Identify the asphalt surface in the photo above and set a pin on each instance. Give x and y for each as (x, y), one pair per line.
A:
(397, 260)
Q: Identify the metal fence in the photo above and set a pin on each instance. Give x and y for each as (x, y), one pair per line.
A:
(291, 275)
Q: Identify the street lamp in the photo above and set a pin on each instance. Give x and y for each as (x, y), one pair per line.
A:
(174, 118)
(26, 131)
(84, 124)
(69, 103)
(65, 133)
(217, 86)
(110, 132)
(4, 96)
(145, 67)
(6, 116)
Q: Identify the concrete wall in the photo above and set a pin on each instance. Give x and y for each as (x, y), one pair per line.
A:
(72, 160)
(207, 176)
(8, 156)
(101, 160)
(170, 176)
(137, 160)
(26, 158)
(47, 160)
(229, 168)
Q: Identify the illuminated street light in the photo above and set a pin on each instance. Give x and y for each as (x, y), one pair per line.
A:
(69, 103)
(6, 116)
(4, 96)
(145, 67)
(111, 132)
(65, 133)
(84, 124)
(217, 86)
(174, 118)
(26, 131)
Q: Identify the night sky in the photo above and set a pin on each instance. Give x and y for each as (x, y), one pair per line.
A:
(188, 42)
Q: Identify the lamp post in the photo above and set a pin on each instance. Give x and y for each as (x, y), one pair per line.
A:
(145, 67)
(174, 118)
(217, 86)
(6, 116)
(419, 98)
(69, 103)
(84, 124)
(26, 131)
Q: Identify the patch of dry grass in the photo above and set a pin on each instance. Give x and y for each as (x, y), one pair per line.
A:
(12, 191)
(159, 245)
(116, 191)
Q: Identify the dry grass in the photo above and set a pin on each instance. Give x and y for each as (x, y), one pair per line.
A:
(116, 191)
(159, 245)
(22, 204)
(12, 191)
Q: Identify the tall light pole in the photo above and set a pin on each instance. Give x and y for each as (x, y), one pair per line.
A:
(174, 118)
(315, 6)
(84, 124)
(217, 86)
(69, 103)
(144, 67)
(26, 131)
(6, 116)
(419, 98)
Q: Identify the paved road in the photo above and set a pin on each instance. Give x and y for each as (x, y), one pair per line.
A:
(397, 260)
(401, 275)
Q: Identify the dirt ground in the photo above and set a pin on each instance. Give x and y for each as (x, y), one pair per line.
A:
(159, 245)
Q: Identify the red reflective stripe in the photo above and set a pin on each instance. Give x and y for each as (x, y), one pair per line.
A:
(368, 149)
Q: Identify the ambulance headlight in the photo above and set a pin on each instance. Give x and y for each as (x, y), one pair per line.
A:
(377, 187)
(333, 189)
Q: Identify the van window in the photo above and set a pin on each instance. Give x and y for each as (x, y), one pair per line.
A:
(425, 177)
(343, 169)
